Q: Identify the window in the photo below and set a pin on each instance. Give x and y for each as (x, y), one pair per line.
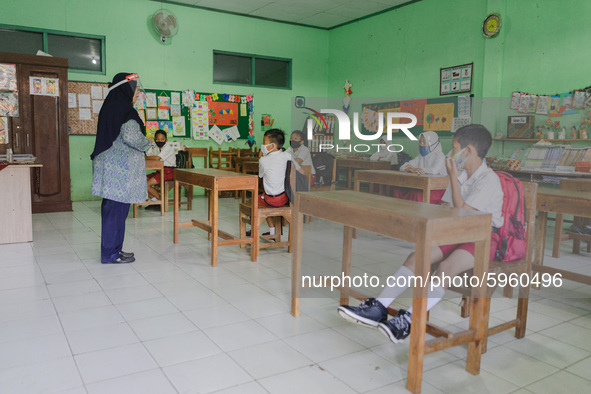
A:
(85, 53)
(243, 69)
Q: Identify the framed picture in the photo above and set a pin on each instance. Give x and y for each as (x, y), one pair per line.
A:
(578, 99)
(456, 79)
(520, 127)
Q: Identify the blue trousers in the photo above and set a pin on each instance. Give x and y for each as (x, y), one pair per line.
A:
(113, 215)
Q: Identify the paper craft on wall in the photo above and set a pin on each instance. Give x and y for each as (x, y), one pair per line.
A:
(8, 103)
(567, 102)
(555, 105)
(178, 126)
(188, 98)
(175, 98)
(415, 107)
(438, 117)
(533, 103)
(3, 130)
(459, 122)
(163, 114)
(140, 102)
(84, 100)
(578, 101)
(44, 86)
(216, 134)
(167, 127)
(151, 114)
(163, 102)
(223, 114)
(175, 110)
(233, 133)
(151, 128)
(543, 105)
(151, 100)
(7, 77)
(515, 100)
(200, 121)
(464, 107)
(523, 103)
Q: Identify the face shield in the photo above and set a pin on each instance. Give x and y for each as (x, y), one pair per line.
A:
(136, 85)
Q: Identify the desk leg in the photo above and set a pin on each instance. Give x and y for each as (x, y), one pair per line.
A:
(354, 230)
(427, 196)
(346, 264)
(349, 178)
(541, 237)
(176, 212)
(214, 226)
(297, 221)
(254, 223)
(418, 328)
(557, 235)
(478, 308)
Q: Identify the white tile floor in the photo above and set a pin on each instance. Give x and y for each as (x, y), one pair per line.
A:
(171, 323)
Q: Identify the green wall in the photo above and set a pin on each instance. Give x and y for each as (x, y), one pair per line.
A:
(542, 48)
(185, 63)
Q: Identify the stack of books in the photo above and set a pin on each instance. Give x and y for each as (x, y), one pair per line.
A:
(26, 158)
(558, 159)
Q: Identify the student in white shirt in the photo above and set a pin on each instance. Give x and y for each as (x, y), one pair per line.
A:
(477, 188)
(300, 152)
(383, 154)
(163, 151)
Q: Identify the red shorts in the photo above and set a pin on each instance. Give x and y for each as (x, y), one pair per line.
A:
(266, 200)
(417, 195)
(168, 175)
(469, 247)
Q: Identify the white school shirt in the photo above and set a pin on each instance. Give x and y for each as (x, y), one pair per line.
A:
(302, 153)
(166, 154)
(272, 169)
(482, 192)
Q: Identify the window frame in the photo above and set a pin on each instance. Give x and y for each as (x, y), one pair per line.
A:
(253, 70)
(45, 33)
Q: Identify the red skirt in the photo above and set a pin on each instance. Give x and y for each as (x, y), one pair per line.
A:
(168, 175)
(417, 195)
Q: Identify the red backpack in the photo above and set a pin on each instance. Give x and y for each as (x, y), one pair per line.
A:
(512, 244)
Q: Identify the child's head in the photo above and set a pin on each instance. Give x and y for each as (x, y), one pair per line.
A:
(273, 140)
(475, 138)
(160, 138)
(296, 139)
(428, 142)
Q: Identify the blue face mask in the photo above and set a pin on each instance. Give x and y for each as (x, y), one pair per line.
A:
(424, 150)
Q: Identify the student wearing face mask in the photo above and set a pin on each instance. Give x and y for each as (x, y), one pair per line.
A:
(272, 167)
(163, 151)
(477, 188)
(430, 160)
(300, 152)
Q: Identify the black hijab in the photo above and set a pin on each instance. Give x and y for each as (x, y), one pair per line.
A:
(117, 109)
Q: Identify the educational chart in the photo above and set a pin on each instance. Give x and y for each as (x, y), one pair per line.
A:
(454, 80)
(433, 114)
(85, 100)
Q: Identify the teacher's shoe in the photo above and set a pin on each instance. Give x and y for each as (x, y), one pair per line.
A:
(126, 254)
(369, 313)
(121, 260)
(398, 327)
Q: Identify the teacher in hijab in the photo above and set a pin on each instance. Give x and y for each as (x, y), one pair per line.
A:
(118, 164)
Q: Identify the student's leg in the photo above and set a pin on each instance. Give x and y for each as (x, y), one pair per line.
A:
(271, 225)
(151, 191)
(113, 229)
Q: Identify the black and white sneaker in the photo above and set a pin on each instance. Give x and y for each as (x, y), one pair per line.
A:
(397, 328)
(369, 313)
(126, 254)
(121, 260)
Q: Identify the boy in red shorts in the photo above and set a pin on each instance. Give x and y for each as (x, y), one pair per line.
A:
(476, 187)
(163, 151)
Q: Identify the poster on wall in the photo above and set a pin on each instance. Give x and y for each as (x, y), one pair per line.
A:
(200, 121)
(223, 114)
(456, 79)
(3, 130)
(8, 103)
(44, 86)
(7, 77)
(438, 117)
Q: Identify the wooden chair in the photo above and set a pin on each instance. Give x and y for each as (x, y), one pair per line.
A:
(199, 152)
(265, 212)
(246, 153)
(582, 185)
(168, 186)
(519, 267)
(221, 160)
(250, 167)
(158, 166)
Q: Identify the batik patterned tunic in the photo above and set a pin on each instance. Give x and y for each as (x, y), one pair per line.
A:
(119, 173)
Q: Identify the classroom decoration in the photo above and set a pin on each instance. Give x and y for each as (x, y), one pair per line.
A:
(8, 93)
(8, 77)
(266, 122)
(453, 80)
(84, 102)
(44, 86)
(200, 121)
(4, 130)
(347, 99)
(178, 126)
(215, 133)
(438, 117)
(521, 127)
(151, 128)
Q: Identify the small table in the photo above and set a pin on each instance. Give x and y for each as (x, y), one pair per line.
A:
(423, 224)
(362, 164)
(15, 206)
(216, 180)
(425, 182)
(566, 202)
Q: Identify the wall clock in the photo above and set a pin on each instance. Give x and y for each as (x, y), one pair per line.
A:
(491, 25)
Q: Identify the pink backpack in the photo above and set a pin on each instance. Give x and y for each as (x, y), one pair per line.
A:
(512, 244)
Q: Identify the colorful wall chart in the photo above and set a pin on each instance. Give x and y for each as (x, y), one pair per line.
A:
(438, 117)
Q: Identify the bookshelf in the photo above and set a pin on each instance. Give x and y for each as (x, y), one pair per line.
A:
(536, 140)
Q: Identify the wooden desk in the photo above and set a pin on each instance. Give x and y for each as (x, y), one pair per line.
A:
(216, 180)
(423, 224)
(157, 165)
(239, 160)
(565, 202)
(15, 207)
(426, 183)
(361, 164)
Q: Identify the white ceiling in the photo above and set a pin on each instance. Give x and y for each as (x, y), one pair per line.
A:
(324, 14)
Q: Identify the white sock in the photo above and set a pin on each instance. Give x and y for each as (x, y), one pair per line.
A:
(272, 230)
(434, 296)
(154, 199)
(389, 294)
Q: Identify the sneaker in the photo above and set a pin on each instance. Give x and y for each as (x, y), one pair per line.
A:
(121, 260)
(369, 313)
(126, 254)
(397, 328)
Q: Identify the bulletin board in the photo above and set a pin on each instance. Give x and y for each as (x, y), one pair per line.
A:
(222, 112)
(433, 114)
(84, 123)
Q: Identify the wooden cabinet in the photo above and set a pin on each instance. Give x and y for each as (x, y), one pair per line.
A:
(42, 130)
